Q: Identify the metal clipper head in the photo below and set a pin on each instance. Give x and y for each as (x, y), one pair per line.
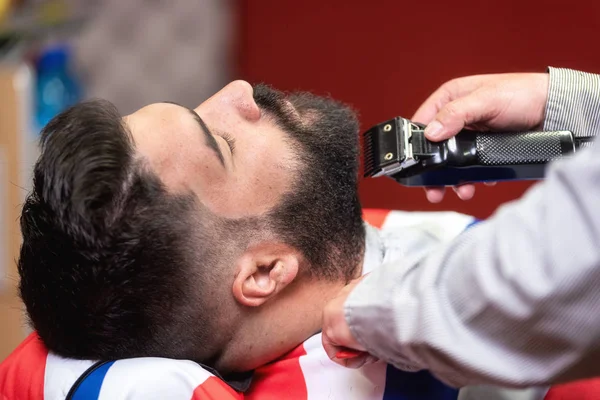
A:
(383, 147)
(389, 147)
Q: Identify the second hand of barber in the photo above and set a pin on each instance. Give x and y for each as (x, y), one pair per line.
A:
(351, 354)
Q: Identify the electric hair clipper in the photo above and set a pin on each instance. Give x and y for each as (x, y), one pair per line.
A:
(398, 148)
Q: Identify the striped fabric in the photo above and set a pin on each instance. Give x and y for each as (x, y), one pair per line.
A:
(568, 87)
(306, 373)
(31, 373)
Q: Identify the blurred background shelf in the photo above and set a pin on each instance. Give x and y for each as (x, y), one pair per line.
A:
(27, 25)
(130, 52)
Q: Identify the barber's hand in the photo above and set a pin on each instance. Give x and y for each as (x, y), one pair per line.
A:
(483, 102)
(337, 338)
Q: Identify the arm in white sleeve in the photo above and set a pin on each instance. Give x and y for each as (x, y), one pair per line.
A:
(515, 300)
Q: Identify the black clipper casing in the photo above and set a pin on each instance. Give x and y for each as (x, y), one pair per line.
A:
(398, 148)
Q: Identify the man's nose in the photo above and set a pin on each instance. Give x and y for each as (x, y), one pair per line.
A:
(236, 96)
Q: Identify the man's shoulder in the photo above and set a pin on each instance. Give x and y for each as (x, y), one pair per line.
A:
(51, 376)
(151, 377)
(307, 373)
(27, 363)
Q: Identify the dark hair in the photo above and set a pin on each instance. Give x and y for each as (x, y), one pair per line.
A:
(322, 215)
(114, 266)
(106, 260)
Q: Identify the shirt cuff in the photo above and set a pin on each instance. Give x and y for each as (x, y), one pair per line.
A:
(369, 313)
(573, 102)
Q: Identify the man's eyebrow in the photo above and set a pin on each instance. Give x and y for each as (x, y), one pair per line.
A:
(210, 139)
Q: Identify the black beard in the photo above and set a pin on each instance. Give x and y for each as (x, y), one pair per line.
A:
(322, 217)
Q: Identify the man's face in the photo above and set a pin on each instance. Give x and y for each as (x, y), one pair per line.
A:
(239, 150)
(254, 152)
(235, 159)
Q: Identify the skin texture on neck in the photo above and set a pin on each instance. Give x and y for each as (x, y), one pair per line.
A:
(277, 327)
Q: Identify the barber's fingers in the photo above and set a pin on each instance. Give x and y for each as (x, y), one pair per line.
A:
(430, 107)
(474, 108)
(342, 355)
(336, 335)
(358, 361)
(446, 93)
(464, 192)
(346, 357)
(436, 194)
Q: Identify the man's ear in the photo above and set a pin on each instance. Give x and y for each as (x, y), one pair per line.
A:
(263, 271)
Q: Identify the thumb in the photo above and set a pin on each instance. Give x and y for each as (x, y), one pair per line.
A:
(455, 115)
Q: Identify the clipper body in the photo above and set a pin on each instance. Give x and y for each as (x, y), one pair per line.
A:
(398, 148)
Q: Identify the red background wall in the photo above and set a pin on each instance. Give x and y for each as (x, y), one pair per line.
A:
(386, 57)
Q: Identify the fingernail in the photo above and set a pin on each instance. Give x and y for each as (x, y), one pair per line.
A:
(433, 197)
(465, 192)
(434, 130)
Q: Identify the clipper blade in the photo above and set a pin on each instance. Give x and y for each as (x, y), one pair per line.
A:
(383, 146)
(369, 154)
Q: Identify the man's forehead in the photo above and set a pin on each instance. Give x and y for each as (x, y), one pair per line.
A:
(185, 164)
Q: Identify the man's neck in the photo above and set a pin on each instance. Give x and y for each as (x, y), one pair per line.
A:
(282, 324)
